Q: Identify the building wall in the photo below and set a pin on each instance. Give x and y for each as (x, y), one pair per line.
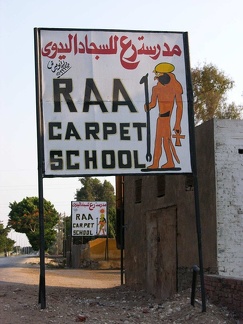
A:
(179, 197)
(207, 193)
(229, 183)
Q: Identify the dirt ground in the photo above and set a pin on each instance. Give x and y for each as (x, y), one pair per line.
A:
(93, 297)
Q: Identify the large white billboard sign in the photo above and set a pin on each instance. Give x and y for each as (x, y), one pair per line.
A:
(113, 102)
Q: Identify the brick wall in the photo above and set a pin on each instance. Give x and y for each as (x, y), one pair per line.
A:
(225, 291)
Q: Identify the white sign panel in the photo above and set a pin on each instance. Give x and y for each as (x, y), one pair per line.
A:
(113, 102)
(89, 218)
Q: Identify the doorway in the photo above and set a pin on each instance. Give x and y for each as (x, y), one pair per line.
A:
(161, 247)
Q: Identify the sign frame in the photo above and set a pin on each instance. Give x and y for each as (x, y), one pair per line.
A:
(55, 160)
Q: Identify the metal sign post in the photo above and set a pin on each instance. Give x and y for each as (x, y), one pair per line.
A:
(195, 177)
(39, 120)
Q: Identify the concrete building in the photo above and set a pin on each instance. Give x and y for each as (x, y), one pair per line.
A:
(160, 228)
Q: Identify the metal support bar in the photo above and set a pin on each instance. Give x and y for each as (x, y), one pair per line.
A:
(194, 283)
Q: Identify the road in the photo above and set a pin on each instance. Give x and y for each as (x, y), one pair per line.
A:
(93, 296)
(25, 269)
(14, 261)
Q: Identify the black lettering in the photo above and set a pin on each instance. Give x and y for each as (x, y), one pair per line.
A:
(124, 132)
(91, 87)
(78, 225)
(71, 131)
(56, 160)
(51, 127)
(84, 217)
(63, 87)
(90, 217)
(90, 159)
(108, 155)
(71, 166)
(128, 159)
(82, 233)
(136, 162)
(77, 216)
(119, 88)
(91, 129)
(109, 129)
(139, 129)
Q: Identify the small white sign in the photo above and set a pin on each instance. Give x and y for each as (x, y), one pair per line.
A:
(89, 218)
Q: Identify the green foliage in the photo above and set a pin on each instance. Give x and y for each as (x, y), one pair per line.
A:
(94, 190)
(112, 222)
(6, 244)
(60, 229)
(67, 226)
(91, 189)
(24, 218)
(209, 89)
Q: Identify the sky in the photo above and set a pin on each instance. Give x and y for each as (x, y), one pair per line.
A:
(215, 30)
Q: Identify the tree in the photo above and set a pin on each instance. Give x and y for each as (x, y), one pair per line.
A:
(210, 86)
(24, 218)
(6, 244)
(94, 190)
(57, 246)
